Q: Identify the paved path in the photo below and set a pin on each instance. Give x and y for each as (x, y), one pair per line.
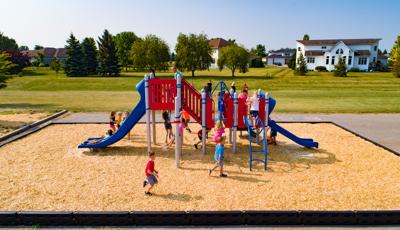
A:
(383, 129)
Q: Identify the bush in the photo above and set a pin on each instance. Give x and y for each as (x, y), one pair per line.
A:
(354, 69)
(321, 69)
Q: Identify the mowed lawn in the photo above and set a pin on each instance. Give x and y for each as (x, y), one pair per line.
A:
(43, 90)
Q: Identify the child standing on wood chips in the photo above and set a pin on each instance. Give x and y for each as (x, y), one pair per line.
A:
(219, 157)
(151, 173)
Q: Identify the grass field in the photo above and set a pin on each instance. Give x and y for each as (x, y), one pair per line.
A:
(43, 90)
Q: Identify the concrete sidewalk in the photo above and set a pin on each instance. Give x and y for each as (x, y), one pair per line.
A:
(383, 129)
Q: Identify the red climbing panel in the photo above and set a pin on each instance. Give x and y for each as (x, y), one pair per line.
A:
(162, 94)
(229, 111)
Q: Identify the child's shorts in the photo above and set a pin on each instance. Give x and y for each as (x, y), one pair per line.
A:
(167, 125)
(112, 126)
(152, 180)
(254, 113)
(220, 164)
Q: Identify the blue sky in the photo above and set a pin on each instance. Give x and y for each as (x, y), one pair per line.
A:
(271, 22)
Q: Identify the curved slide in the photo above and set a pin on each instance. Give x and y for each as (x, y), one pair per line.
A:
(126, 126)
(306, 142)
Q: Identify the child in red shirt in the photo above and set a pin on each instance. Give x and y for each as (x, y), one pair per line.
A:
(151, 174)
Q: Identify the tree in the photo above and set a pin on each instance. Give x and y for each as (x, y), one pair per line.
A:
(193, 52)
(340, 68)
(20, 60)
(232, 41)
(394, 61)
(7, 44)
(123, 43)
(173, 57)
(38, 47)
(301, 67)
(108, 60)
(5, 67)
(306, 37)
(384, 52)
(234, 57)
(73, 65)
(260, 50)
(151, 53)
(55, 65)
(292, 61)
(23, 48)
(89, 51)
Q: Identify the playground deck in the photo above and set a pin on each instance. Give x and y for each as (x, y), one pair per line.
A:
(45, 171)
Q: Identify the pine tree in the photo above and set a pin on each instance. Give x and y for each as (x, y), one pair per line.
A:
(301, 67)
(340, 69)
(306, 37)
(394, 61)
(292, 61)
(55, 65)
(89, 51)
(108, 61)
(5, 66)
(74, 58)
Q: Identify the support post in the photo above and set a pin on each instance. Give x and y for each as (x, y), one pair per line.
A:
(235, 121)
(146, 93)
(178, 135)
(266, 109)
(203, 121)
(153, 122)
(266, 129)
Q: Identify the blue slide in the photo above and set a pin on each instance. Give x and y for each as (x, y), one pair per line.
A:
(126, 126)
(306, 142)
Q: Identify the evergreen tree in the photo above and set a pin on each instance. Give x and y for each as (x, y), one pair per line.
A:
(394, 61)
(193, 52)
(124, 42)
(7, 44)
(108, 60)
(301, 67)
(89, 51)
(306, 37)
(292, 61)
(260, 50)
(55, 65)
(5, 67)
(340, 69)
(38, 47)
(234, 57)
(74, 65)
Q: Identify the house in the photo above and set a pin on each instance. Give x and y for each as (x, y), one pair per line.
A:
(216, 44)
(279, 57)
(48, 52)
(357, 53)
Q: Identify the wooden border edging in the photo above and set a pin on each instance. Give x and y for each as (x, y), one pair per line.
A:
(29, 126)
(200, 218)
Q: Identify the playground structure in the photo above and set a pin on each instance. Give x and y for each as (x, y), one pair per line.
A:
(177, 94)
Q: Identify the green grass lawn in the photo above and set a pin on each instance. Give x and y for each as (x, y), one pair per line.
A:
(43, 90)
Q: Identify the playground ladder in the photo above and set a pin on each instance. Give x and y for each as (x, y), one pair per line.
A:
(263, 132)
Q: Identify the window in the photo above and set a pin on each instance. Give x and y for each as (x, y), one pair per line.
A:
(374, 59)
(298, 48)
(333, 60)
(323, 47)
(375, 48)
(350, 59)
(344, 59)
(339, 51)
(310, 59)
(327, 60)
(362, 61)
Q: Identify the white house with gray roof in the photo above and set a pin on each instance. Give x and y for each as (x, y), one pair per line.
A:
(357, 53)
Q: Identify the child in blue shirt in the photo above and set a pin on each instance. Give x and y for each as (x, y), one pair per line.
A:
(219, 157)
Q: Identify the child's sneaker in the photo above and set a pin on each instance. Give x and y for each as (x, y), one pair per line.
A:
(209, 172)
(196, 146)
(148, 193)
(223, 175)
(144, 183)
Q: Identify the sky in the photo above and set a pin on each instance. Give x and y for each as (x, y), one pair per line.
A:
(273, 23)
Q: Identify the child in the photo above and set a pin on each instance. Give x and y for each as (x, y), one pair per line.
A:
(232, 91)
(109, 133)
(185, 116)
(221, 105)
(200, 136)
(167, 126)
(112, 121)
(219, 130)
(219, 157)
(151, 173)
(126, 115)
(272, 137)
(119, 119)
(254, 103)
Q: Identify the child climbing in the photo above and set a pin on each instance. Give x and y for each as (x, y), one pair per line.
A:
(119, 119)
(112, 121)
(219, 130)
(200, 136)
(254, 104)
(151, 173)
(185, 117)
(219, 157)
(168, 126)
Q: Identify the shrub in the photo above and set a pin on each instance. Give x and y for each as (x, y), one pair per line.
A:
(321, 69)
(354, 69)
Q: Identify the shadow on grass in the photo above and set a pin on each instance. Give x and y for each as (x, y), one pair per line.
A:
(30, 73)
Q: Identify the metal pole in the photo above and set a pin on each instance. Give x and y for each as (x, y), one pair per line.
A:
(146, 93)
(203, 120)
(265, 129)
(230, 135)
(153, 122)
(266, 109)
(235, 121)
(178, 135)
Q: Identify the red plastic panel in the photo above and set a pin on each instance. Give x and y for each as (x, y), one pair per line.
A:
(229, 111)
(162, 94)
(242, 111)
